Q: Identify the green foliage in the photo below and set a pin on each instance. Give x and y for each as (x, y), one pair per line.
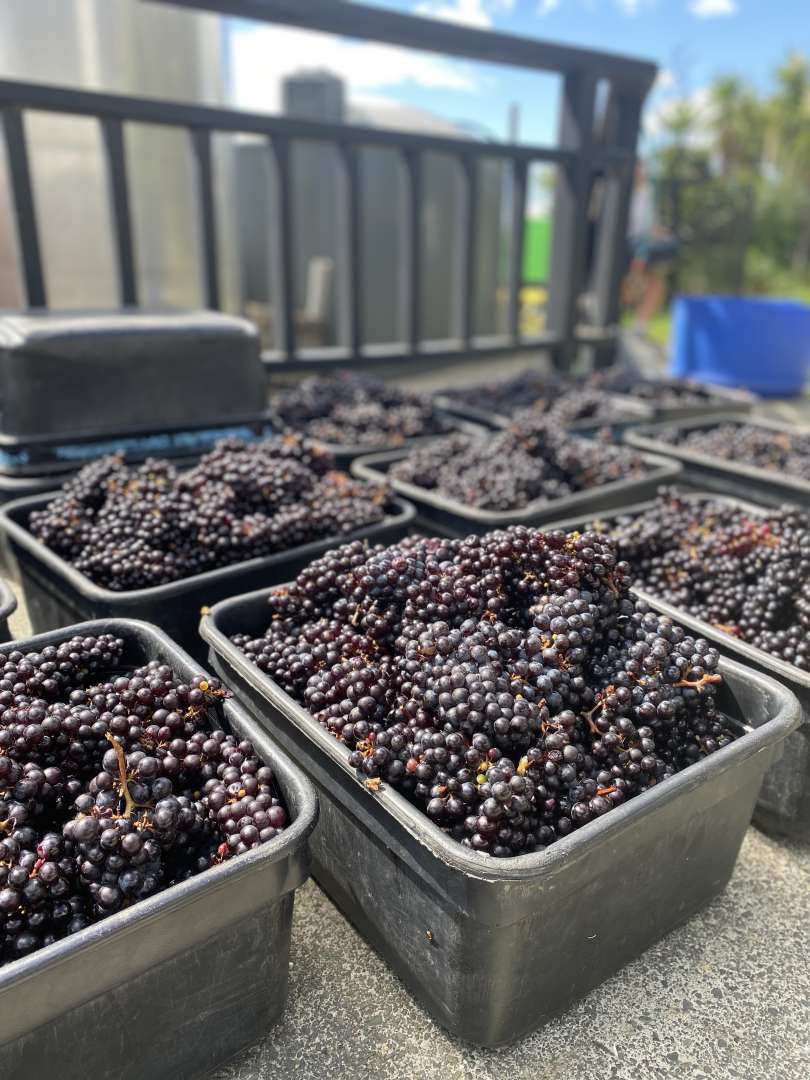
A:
(732, 181)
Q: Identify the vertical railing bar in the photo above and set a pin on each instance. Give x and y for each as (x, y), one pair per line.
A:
(281, 226)
(468, 204)
(611, 247)
(412, 300)
(349, 155)
(569, 238)
(201, 141)
(519, 175)
(113, 134)
(24, 208)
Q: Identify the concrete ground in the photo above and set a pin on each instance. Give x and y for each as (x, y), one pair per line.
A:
(725, 997)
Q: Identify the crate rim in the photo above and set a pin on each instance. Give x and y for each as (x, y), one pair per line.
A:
(8, 600)
(89, 590)
(644, 438)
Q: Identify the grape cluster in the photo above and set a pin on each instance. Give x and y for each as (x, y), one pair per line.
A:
(748, 575)
(785, 452)
(112, 787)
(357, 410)
(132, 527)
(564, 399)
(509, 685)
(531, 462)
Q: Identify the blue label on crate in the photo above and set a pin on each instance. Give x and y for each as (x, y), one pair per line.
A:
(188, 442)
(14, 457)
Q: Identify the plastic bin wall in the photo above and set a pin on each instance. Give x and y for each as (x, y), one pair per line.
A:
(759, 344)
(8, 605)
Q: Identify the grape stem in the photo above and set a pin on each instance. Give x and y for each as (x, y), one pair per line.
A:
(589, 713)
(129, 802)
(698, 684)
(727, 628)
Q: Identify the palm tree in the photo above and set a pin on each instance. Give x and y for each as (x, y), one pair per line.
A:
(788, 144)
(737, 121)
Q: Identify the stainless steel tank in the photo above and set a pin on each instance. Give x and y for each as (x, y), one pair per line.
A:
(127, 47)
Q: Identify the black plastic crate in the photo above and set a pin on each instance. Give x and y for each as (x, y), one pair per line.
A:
(177, 983)
(724, 400)
(783, 805)
(453, 518)
(8, 605)
(57, 594)
(725, 477)
(63, 372)
(492, 948)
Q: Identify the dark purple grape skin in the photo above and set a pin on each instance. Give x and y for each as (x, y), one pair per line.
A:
(112, 794)
(510, 685)
(353, 409)
(131, 527)
(533, 462)
(785, 452)
(747, 574)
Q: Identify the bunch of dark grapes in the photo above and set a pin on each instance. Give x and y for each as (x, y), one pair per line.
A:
(132, 527)
(785, 452)
(113, 790)
(510, 685)
(531, 462)
(357, 410)
(747, 574)
(563, 399)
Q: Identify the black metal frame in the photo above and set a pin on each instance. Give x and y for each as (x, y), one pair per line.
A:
(580, 155)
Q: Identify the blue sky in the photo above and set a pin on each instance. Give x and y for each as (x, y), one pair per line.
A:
(691, 40)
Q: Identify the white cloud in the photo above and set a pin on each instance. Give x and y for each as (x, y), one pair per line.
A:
(261, 57)
(478, 13)
(710, 9)
(657, 115)
(630, 8)
(467, 12)
(664, 80)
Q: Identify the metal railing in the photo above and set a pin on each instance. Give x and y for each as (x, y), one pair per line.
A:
(581, 154)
